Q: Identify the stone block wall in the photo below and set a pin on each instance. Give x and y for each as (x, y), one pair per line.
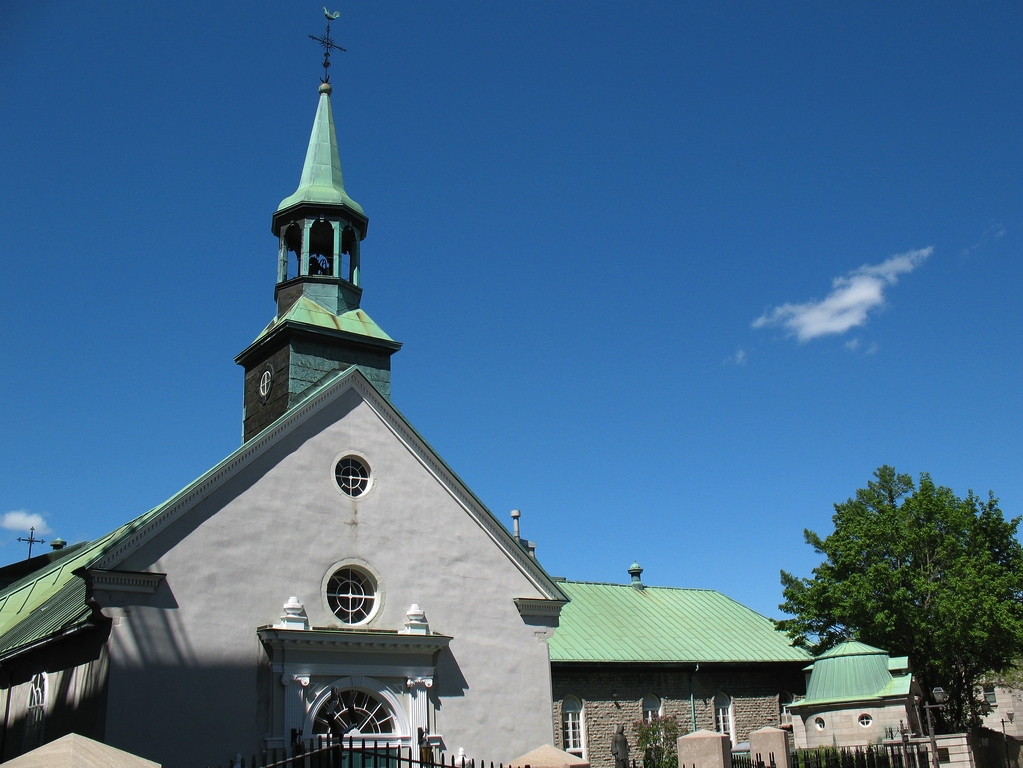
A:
(613, 694)
(841, 726)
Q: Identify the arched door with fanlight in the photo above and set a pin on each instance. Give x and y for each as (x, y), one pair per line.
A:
(365, 711)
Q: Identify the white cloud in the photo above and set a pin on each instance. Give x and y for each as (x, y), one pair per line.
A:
(994, 232)
(23, 520)
(739, 358)
(852, 297)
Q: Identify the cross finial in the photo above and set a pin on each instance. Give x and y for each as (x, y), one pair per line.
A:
(31, 540)
(327, 43)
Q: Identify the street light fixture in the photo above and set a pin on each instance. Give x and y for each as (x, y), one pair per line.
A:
(940, 699)
(1005, 739)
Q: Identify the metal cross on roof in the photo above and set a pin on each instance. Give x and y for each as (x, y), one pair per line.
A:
(327, 43)
(31, 540)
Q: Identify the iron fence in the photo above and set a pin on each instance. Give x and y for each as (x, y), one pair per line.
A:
(748, 760)
(323, 752)
(872, 756)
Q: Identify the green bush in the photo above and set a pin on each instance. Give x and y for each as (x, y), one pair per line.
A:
(658, 740)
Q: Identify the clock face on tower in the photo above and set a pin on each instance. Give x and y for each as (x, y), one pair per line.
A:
(266, 384)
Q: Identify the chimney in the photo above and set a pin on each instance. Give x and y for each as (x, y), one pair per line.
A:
(635, 571)
(529, 546)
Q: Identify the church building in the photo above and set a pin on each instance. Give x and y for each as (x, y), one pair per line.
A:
(332, 575)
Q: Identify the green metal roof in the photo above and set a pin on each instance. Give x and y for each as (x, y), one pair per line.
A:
(854, 671)
(621, 623)
(852, 648)
(49, 601)
(308, 312)
(321, 180)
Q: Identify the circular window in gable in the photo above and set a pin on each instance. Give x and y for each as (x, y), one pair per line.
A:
(866, 720)
(351, 595)
(352, 476)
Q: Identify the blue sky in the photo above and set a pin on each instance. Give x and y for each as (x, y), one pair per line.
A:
(672, 278)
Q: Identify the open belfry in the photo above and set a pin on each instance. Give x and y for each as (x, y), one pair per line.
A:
(320, 327)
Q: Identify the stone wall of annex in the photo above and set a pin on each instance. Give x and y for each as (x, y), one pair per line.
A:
(613, 694)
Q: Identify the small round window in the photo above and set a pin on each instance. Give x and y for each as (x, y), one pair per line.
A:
(819, 722)
(866, 720)
(351, 594)
(352, 476)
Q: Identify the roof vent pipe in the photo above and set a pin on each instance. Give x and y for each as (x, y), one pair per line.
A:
(516, 514)
(635, 571)
(58, 543)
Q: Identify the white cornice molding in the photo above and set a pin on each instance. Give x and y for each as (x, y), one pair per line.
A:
(141, 582)
(531, 606)
(367, 642)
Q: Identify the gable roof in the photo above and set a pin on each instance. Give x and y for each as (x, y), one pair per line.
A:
(51, 601)
(623, 623)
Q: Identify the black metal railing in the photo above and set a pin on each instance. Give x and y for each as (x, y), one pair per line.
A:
(873, 756)
(750, 760)
(321, 752)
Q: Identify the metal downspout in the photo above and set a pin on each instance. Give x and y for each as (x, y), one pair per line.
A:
(692, 699)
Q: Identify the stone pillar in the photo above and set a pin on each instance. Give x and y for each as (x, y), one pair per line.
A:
(704, 749)
(294, 704)
(336, 263)
(282, 258)
(770, 746)
(419, 697)
(355, 259)
(303, 258)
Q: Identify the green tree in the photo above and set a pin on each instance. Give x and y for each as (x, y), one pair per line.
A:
(917, 572)
(658, 738)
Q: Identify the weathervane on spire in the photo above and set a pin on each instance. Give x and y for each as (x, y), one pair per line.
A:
(327, 43)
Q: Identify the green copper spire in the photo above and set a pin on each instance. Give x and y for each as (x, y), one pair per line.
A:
(321, 180)
(320, 327)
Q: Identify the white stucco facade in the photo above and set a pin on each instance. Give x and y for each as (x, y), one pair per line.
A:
(206, 667)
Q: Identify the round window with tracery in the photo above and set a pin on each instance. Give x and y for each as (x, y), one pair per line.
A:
(352, 712)
(352, 476)
(351, 594)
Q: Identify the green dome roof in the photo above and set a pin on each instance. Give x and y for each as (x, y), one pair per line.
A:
(849, 670)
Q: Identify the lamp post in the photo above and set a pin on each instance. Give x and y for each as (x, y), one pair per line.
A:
(940, 697)
(1005, 739)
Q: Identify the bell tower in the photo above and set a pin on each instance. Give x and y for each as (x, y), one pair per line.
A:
(320, 327)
